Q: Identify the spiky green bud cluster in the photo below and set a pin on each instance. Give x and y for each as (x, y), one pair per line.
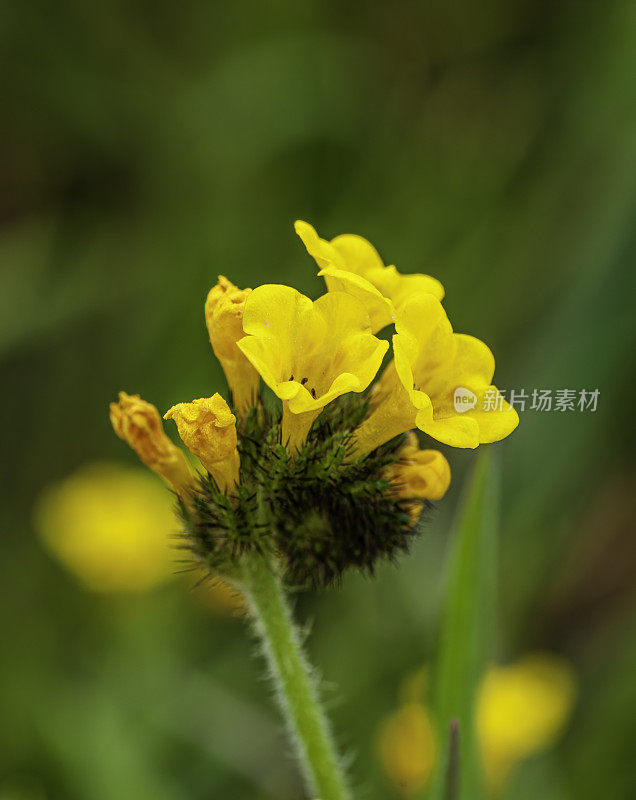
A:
(319, 513)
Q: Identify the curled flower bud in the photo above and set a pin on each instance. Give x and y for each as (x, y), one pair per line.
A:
(138, 423)
(419, 475)
(208, 429)
(224, 320)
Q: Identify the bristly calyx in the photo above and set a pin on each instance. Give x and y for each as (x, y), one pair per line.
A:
(318, 513)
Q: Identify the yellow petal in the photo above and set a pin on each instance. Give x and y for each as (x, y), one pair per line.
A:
(496, 420)
(280, 323)
(208, 429)
(138, 423)
(359, 255)
(401, 287)
(380, 309)
(446, 380)
(420, 474)
(349, 350)
(224, 309)
(430, 358)
(423, 347)
(351, 253)
(455, 431)
(319, 249)
(473, 364)
(309, 353)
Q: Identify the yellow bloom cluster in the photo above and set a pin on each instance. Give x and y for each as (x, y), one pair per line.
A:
(311, 352)
(522, 709)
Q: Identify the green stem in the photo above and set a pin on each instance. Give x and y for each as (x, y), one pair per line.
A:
(296, 689)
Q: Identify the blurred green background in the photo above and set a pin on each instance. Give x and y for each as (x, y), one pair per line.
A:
(147, 147)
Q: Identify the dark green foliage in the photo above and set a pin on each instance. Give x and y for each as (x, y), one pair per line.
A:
(319, 513)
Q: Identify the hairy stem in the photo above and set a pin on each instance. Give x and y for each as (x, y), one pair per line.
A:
(295, 686)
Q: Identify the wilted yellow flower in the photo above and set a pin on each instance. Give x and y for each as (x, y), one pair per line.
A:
(111, 526)
(440, 382)
(407, 747)
(522, 709)
(138, 423)
(308, 352)
(224, 319)
(208, 429)
(350, 263)
(418, 475)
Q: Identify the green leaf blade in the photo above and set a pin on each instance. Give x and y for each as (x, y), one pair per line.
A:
(468, 622)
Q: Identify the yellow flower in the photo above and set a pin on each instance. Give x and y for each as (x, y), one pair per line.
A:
(138, 423)
(522, 709)
(407, 747)
(111, 527)
(208, 429)
(440, 382)
(418, 475)
(351, 264)
(224, 319)
(308, 352)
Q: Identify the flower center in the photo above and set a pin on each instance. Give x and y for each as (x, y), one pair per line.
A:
(303, 382)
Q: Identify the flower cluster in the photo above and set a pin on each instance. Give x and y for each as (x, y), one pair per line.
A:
(326, 479)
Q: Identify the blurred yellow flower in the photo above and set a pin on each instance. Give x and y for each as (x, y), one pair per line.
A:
(419, 389)
(224, 309)
(407, 747)
(208, 429)
(351, 264)
(111, 526)
(308, 352)
(522, 708)
(138, 423)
